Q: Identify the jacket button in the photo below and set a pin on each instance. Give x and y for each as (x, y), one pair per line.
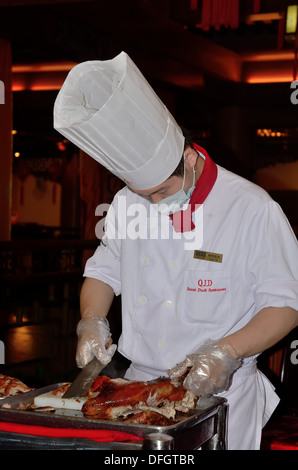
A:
(142, 299)
(169, 304)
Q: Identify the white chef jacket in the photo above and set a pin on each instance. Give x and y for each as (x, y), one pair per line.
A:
(172, 301)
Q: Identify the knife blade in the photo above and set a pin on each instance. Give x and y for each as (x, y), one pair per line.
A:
(82, 383)
(25, 397)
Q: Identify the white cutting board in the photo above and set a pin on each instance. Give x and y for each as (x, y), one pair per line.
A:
(56, 401)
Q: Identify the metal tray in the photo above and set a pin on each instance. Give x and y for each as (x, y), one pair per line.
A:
(203, 417)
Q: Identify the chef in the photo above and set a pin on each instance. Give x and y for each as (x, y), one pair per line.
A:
(208, 280)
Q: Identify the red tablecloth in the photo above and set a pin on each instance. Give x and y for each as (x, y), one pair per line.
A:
(92, 434)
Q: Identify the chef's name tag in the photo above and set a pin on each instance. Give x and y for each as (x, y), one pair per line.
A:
(208, 256)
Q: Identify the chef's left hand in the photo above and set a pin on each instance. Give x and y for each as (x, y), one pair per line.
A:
(211, 367)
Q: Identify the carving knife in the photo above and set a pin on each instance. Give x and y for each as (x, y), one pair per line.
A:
(82, 383)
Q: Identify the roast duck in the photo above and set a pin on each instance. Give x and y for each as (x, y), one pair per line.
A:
(154, 402)
(11, 386)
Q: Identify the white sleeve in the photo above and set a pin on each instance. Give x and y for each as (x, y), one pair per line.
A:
(104, 265)
(273, 259)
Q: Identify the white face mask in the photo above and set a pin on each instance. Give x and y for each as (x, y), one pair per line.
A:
(173, 203)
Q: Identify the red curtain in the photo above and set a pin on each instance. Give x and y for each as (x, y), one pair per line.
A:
(5, 139)
(217, 13)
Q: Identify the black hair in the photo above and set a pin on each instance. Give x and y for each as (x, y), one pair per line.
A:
(188, 142)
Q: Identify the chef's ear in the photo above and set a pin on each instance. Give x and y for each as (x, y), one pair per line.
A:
(191, 156)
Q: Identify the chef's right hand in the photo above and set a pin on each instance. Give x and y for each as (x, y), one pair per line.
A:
(94, 340)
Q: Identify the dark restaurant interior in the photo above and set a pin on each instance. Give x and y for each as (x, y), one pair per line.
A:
(230, 78)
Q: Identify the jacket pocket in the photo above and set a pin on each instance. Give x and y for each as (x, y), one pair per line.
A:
(206, 296)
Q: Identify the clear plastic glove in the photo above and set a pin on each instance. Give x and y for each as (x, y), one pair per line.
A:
(94, 338)
(211, 368)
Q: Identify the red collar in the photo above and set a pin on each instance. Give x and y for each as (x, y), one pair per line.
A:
(182, 220)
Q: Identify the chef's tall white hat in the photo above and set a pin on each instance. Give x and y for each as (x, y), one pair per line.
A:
(109, 110)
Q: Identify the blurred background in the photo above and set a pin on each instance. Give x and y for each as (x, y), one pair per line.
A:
(227, 71)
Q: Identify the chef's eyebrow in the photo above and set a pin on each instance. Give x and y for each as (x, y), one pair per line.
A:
(157, 191)
(163, 188)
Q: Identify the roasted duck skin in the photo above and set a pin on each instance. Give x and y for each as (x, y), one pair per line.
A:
(12, 386)
(120, 398)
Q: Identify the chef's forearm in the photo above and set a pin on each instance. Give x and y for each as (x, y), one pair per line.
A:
(268, 327)
(96, 298)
